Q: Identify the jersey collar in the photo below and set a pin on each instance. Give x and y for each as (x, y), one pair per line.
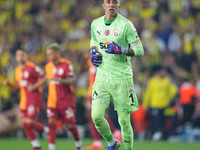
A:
(109, 22)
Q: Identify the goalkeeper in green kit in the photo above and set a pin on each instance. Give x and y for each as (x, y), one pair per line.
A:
(114, 40)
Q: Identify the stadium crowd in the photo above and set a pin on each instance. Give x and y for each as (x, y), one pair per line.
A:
(167, 77)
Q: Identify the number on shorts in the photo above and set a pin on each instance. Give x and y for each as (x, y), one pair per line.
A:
(131, 96)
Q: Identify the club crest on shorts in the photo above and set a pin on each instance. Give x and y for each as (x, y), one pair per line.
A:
(116, 32)
(130, 89)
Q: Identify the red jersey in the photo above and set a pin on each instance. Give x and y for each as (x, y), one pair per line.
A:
(59, 92)
(30, 75)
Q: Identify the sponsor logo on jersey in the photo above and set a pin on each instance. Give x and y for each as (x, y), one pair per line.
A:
(107, 32)
(60, 71)
(103, 45)
(99, 32)
(116, 32)
(26, 74)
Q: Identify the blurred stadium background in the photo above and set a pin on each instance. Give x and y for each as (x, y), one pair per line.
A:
(169, 30)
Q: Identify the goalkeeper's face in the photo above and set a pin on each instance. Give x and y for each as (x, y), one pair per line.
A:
(111, 7)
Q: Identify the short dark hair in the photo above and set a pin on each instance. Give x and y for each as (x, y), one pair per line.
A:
(55, 47)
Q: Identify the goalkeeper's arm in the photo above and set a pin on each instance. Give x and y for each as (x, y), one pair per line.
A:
(136, 49)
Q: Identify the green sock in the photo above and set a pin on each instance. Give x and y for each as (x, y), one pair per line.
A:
(126, 129)
(101, 124)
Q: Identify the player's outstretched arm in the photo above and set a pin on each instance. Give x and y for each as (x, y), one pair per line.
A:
(95, 56)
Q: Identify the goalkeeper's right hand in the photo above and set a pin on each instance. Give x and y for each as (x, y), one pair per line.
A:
(96, 57)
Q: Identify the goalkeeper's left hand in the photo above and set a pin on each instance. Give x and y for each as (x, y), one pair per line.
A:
(113, 48)
(96, 57)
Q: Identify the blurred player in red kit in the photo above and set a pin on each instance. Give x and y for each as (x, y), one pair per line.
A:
(61, 103)
(28, 73)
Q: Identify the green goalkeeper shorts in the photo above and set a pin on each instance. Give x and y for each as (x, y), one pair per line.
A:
(120, 90)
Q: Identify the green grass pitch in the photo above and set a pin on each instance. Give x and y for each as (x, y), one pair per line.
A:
(66, 144)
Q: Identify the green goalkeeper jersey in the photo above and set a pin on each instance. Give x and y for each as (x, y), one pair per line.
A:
(122, 32)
